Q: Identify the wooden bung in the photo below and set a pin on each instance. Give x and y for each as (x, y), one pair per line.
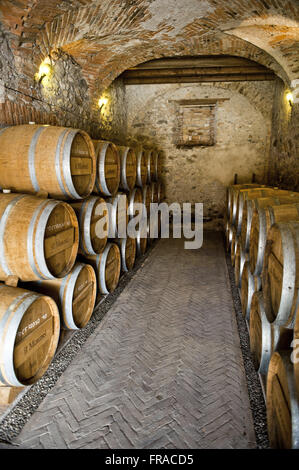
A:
(75, 295)
(28, 337)
(107, 168)
(39, 238)
(57, 160)
(262, 220)
(93, 220)
(107, 266)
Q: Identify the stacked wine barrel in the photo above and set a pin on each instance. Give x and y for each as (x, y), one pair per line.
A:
(262, 235)
(55, 236)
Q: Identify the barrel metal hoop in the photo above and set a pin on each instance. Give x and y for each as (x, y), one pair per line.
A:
(67, 305)
(7, 374)
(124, 180)
(39, 240)
(31, 157)
(101, 182)
(57, 162)
(66, 164)
(288, 276)
(102, 269)
(3, 222)
(266, 338)
(261, 242)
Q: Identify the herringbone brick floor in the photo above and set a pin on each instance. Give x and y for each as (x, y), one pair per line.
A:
(163, 369)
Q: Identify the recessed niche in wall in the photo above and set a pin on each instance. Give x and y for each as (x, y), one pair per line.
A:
(196, 122)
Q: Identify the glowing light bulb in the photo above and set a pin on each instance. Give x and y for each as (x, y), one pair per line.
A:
(290, 98)
(102, 102)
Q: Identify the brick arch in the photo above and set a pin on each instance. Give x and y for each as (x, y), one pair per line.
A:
(132, 31)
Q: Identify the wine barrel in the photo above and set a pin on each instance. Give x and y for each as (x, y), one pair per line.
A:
(134, 198)
(228, 235)
(262, 220)
(260, 334)
(282, 402)
(249, 285)
(161, 191)
(39, 238)
(128, 168)
(147, 198)
(149, 165)
(141, 161)
(154, 192)
(127, 248)
(265, 338)
(232, 199)
(108, 168)
(251, 205)
(93, 220)
(154, 166)
(107, 266)
(141, 244)
(233, 246)
(29, 335)
(248, 194)
(118, 215)
(280, 275)
(57, 160)
(240, 258)
(75, 295)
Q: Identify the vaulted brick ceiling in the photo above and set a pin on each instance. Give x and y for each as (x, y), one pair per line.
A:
(108, 36)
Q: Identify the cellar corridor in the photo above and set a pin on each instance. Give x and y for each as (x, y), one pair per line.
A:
(162, 370)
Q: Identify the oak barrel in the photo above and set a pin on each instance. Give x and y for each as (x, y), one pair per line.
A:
(134, 199)
(128, 168)
(127, 248)
(57, 160)
(155, 166)
(29, 334)
(240, 258)
(280, 275)
(107, 169)
(75, 295)
(260, 334)
(161, 191)
(141, 243)
(141, 162)
(282, 402)
(147, 198)
(228, 235)
(107, 266)
(248, 194)
(154, 192)
(233, 245)
(249, 285)
(118, 215)
(262, 220)
(93, 220)
(39, 238)
(232, 199)
(251, 205)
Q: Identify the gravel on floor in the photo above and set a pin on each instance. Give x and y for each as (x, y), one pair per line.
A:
(256, 396)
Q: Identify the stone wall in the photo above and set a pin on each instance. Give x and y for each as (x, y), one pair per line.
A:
(202, 173)
(284, 169)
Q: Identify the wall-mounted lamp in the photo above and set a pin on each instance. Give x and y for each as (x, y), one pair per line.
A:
(44, 70)
(290, 98)
(102, 102)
